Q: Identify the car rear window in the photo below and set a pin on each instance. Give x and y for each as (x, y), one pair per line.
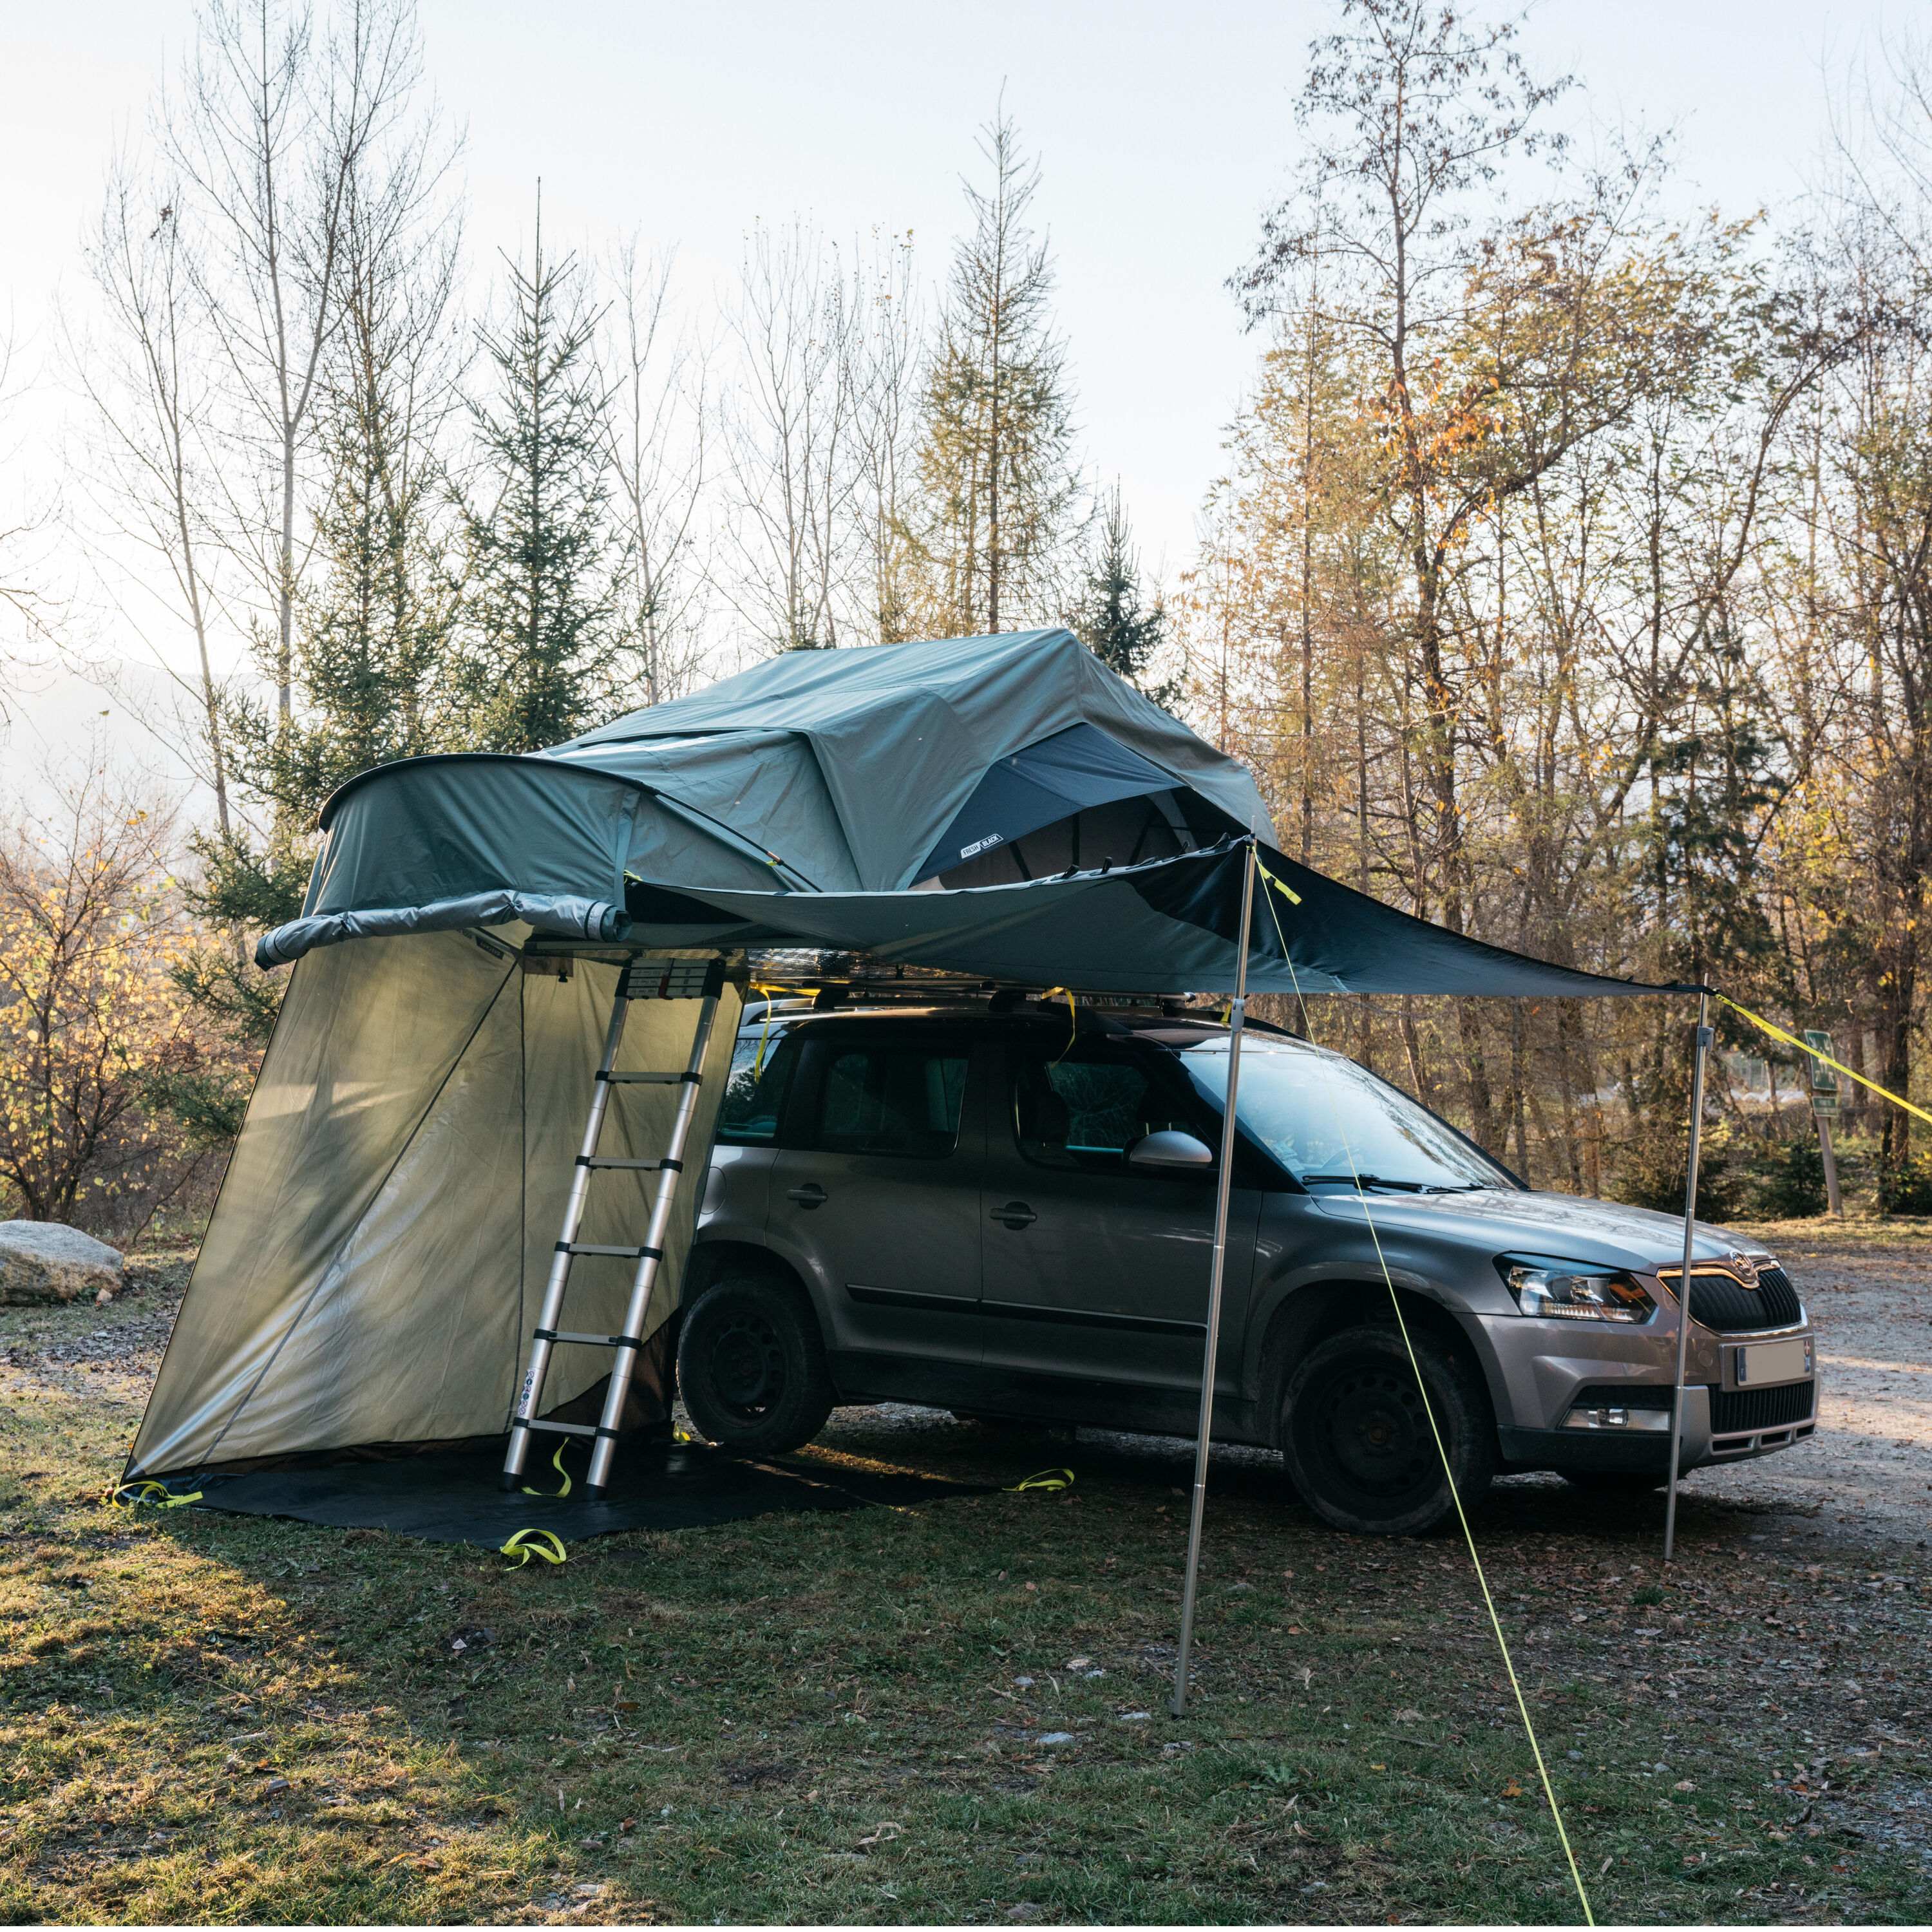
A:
(902, 1100)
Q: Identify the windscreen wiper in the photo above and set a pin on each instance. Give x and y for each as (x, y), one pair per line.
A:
(1367, 1180)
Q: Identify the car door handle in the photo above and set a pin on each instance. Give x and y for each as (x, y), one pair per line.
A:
(809, 1195)
(1016, 1214)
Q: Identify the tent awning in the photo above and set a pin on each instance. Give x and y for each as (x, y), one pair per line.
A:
(1167, 926)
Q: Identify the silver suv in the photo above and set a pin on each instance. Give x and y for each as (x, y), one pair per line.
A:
(1001, 1215)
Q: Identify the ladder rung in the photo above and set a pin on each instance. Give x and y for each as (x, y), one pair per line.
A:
(564, 1428)
(652, 1079)
(599, 1248)
(639, 1166)
(593, 1341)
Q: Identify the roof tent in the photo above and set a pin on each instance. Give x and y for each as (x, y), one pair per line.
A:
(375, 1261)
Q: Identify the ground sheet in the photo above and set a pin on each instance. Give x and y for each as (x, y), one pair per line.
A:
(453, 1498)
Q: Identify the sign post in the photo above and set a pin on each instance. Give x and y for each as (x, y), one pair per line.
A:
(1824, 1105)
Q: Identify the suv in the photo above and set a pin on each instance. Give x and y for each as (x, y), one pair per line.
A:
(989, 1212)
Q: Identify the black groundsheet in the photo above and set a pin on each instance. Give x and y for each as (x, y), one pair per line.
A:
(453, 1497)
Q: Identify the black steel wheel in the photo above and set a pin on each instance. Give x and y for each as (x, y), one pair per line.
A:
(1356, 1436)
(751, 1365)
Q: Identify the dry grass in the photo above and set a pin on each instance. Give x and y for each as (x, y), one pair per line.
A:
(823, 1718)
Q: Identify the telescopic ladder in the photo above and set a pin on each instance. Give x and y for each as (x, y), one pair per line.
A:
(641, 979)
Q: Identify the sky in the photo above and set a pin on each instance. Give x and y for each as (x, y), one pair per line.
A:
(1164, 131)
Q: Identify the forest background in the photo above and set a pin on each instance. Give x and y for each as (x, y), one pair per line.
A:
(1569, 581)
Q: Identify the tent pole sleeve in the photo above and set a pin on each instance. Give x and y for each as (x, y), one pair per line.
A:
(1704, 1037)
(1211, 1348)
(669, 1177)
(529, 1397)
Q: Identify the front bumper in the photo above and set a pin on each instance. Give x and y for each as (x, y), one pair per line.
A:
(1578, 1396)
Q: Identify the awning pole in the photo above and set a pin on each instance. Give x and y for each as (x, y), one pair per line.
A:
(1219, 1268)
(1704, 1038)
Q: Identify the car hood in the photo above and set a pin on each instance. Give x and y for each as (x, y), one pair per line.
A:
(1563, 1226)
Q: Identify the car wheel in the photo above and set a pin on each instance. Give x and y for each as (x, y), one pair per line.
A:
(1356, 1437)
(750, 1366)
(1614, 1485)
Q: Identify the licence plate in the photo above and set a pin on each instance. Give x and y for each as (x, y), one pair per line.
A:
(1765, 1362)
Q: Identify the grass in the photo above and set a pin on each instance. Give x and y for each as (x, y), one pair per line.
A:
(208, 1718)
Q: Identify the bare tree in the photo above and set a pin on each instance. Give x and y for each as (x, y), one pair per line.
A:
(883, 360)
(787, 434)
(657, 420)
(24, 590)
(148, 466)
(268, 134)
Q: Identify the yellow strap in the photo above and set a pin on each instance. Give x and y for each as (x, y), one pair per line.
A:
(1072, 1018)
(1778, 1032)
(1043, 1479)
(157, 1493)
(1442, 1451)
(556, 1463)
(1287, 892)
(529, 1542)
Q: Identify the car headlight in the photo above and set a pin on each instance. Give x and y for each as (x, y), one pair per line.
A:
(1555, 1292)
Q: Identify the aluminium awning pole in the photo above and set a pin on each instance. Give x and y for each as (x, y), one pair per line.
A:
(1704, 1039)
(1223, 1186)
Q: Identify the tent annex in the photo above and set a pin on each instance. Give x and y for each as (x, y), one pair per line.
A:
(376, 1264)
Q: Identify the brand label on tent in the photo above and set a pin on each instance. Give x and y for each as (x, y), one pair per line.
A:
(982, 844)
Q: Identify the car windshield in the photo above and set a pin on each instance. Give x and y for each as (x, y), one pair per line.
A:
(1326, 1120)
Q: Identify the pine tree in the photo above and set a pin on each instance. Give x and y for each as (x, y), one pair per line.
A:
(542, 646)
(1109, 620)
(1000, 494)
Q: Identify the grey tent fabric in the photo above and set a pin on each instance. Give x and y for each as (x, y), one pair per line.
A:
(1168, 925)
(824, 771)
(1073, 769)
(373, 1266)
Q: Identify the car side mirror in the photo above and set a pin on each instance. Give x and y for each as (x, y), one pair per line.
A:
(1169, 1152)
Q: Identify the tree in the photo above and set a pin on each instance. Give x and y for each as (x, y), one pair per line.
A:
(789, 443)
(657, 422)
(89, 1026)
(274, 135)
(374, 623)
(1000, 494)
(151, 462)
(540, 651)
(1109, 620)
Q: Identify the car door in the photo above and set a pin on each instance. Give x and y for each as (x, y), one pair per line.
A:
(875, 1195)
(1096, 1278)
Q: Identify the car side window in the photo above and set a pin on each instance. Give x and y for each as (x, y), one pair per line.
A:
(893, 1100)
(1083, 1109)
(762, 1064)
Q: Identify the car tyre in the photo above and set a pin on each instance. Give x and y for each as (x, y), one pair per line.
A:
(1357, 1439)
(750, 1366)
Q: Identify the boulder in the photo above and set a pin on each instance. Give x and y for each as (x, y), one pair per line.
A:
(43, 1261)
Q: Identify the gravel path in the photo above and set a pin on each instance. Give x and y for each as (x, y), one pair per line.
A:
(1869, 1465)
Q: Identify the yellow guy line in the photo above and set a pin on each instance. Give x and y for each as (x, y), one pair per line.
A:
(1778, 1032)
(1468, 1537)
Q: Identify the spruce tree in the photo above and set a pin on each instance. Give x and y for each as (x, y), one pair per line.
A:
(541, 641)
(1000, 496)
(1109, 620)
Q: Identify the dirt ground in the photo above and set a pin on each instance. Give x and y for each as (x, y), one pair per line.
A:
(1869, 1467)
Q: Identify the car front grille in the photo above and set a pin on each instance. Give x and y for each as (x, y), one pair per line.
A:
(1728, 1307)
(1733, 1411)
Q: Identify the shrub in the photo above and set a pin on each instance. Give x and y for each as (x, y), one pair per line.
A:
(1790, 1182)
(1905, 1187)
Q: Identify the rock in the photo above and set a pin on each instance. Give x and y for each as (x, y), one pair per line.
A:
(43, 1260)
